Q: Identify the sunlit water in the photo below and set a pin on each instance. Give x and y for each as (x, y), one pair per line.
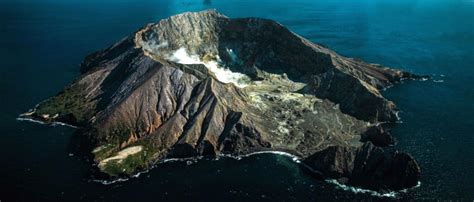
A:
(43, 41)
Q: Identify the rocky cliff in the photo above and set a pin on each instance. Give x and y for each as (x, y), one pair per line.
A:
(202, 84)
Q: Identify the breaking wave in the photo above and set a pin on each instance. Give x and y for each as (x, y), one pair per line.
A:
(239, 157)
(122, 179)
(191, 160)
(294, 158)
(55, 123)
(391, 194)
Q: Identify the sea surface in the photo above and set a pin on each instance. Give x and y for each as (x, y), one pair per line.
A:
(42, 42)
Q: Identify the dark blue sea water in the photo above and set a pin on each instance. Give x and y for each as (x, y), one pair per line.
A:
(43, 41)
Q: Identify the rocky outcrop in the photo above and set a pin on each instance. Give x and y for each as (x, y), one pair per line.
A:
(201, 84)
(367, 166)
(378, 136)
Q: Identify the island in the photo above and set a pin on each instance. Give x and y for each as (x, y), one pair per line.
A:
(202, 84)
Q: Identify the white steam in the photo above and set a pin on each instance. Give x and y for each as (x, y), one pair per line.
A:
(223, 74)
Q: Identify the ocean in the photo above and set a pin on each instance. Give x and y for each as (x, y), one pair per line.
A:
(42, 43)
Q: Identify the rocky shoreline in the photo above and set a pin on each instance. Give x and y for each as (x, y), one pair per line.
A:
(202, 84)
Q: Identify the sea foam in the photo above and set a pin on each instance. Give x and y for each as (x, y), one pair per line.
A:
(55, 123)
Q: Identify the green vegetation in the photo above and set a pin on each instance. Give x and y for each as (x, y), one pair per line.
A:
(102, 152)
(131, 163)
(126, 166)
(71, 101)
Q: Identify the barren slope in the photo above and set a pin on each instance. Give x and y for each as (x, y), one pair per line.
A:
(203, 84)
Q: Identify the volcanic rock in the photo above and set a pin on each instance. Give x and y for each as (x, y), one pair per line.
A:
(202, 84)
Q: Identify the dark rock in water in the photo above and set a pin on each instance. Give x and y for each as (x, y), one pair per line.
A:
(201, 84)
(378, 136)
(367, 166)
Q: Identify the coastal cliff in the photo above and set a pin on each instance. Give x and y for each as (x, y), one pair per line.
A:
(202, 84)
